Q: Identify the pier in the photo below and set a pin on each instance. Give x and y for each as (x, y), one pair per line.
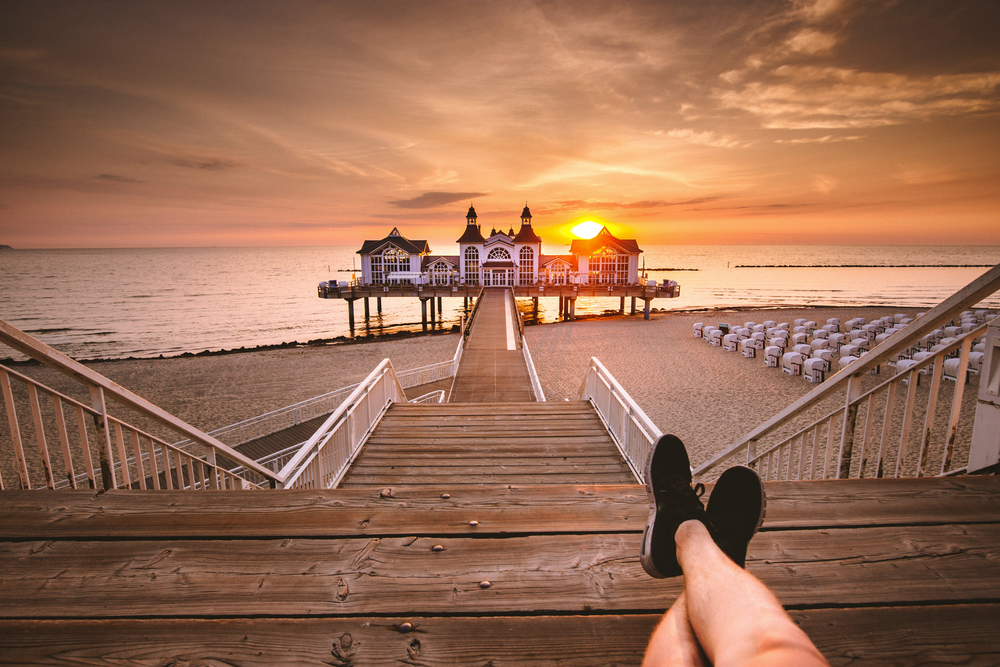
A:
(431, 296)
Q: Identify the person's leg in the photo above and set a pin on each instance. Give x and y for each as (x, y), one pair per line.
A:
(736, 619)
(673, 643)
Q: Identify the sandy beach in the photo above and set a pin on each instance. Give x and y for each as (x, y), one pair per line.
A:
(705, 395)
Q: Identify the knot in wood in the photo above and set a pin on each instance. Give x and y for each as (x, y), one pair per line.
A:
(385, 493)
(342, 590)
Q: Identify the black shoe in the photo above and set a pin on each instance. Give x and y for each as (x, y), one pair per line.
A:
(736, 511)
(672, 501)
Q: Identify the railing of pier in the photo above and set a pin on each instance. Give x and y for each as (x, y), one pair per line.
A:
(472, 315)
(536, 385)
(324, 459)
(632, 431)
(128, 456)
(794, 444)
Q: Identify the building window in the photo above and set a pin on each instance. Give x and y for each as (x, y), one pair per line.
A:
(498, 254)
(391, 260)
(607, 265)
(440, 273)
(527, 268)
(471, 266)
(558, 273)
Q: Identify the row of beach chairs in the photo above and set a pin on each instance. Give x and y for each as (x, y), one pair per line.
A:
(806, 348)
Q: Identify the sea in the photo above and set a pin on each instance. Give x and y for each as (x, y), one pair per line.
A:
(153, 302)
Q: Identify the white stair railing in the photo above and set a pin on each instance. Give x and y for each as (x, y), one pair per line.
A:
(324, 458)
(633, 432)
(127, 455)
(835, 436)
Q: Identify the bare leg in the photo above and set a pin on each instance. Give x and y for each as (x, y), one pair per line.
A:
(673, 643)
(736, 619)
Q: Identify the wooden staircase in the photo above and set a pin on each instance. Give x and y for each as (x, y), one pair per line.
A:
(460, 444)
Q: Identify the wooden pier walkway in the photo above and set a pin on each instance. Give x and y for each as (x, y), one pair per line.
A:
(878, 572)
(493, 369)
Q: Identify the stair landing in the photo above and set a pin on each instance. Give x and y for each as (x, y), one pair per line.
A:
(877, 572)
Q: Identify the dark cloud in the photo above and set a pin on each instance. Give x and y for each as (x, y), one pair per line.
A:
(207, 165)
(116, 178)
(435, 199)
(644, 204)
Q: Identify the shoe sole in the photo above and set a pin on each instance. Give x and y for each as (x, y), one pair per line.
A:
(738, 470)
(645, 549)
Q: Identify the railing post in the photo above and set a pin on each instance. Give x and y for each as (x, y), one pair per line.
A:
(104, 437)
(15, 432)
(850, 422)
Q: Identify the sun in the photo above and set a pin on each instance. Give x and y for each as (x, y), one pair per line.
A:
(586, 230)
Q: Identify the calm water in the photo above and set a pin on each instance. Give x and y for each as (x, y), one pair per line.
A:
(147, 302)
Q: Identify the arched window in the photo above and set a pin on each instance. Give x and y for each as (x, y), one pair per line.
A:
(392, 259)
(471, 266)
(440, 273)
(526, 272)
(607, 265)
(498, 253)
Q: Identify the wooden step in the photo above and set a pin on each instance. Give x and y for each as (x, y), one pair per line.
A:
(522, 443)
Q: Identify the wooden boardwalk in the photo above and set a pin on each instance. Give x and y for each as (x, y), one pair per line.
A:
(475, 444)
(493, 369)
(878, 572)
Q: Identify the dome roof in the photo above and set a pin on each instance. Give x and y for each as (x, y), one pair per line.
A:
(526, 213)
(471, 213)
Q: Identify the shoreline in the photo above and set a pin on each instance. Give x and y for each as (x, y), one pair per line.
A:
(704, 395)
(416, 332)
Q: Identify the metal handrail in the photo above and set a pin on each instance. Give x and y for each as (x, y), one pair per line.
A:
(324, 458)
(849, 378)
(632, 431)
(776, 462)
(101, 389)
(436, 396)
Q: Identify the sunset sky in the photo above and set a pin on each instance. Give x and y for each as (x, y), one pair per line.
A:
(691, 121)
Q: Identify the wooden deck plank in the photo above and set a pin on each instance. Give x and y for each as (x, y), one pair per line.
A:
(544, 573)
(475, 409)
(422, 511)
(955, 634)
(540, 467)
(504, 478)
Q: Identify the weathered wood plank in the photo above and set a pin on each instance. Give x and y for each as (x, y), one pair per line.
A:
(539, 467)
(290, 513)
(477, 409)
(883, 636)
(502, 477)
(545, 573)
(415, 511)
(527, 442)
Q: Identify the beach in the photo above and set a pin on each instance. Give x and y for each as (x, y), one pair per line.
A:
(703, 394)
